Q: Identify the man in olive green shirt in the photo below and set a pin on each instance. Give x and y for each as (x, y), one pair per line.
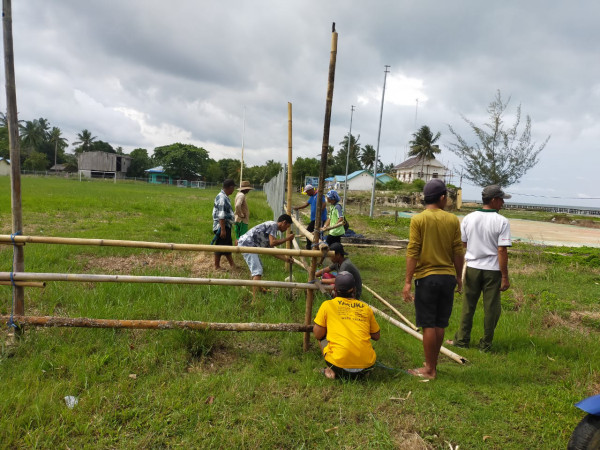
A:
(435, 258)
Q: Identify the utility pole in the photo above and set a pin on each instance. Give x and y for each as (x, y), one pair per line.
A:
(386, 71)
(347, 160)
(243, 133)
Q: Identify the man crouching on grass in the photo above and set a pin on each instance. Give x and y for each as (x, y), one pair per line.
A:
(265, 235)
(344, 327)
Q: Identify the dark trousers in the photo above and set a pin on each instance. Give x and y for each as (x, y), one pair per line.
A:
(310, 228)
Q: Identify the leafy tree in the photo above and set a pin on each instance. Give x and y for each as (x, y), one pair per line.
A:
(36, 161)
(502, 156)
(424, 146)
(305, 167)
(140, 161)
(84, 141)
(119, 150)
(213, 172)
(367, 157)
(33, 133)
(4, 144)
(58, 142)
(230, 168)
(101, 146)
(183, 161)
(70, 161)
(340, 158)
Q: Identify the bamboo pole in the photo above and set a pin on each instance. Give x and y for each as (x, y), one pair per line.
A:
(98, 278)
(386, 303)
(288, 244)
(302, 229)
(324, 150)
(14, 149)
(23, 284)
(454, 356)
(84, 322)
(301, 261)
(159, 245)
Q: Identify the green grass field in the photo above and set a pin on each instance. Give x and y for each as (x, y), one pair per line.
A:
(153, 389)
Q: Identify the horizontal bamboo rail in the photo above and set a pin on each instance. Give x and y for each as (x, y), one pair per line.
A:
(23, 284)
(386, 303)
(97, 278)
(459, 359)
(51, 321)
(302, 229)
(6, 239)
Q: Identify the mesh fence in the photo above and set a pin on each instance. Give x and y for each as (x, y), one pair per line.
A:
(275, 190)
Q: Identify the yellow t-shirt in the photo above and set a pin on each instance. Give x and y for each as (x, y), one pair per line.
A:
(349, 324)
(434, 241)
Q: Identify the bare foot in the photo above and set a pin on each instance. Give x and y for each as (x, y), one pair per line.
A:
(329, 373)
(422, 373)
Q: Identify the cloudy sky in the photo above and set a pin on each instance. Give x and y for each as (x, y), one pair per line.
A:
(145, 73)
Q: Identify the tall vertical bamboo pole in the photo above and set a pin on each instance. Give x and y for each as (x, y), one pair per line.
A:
(324, 149)
(288, 210)
(15, 151)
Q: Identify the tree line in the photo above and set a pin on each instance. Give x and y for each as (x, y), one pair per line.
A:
(498, 154)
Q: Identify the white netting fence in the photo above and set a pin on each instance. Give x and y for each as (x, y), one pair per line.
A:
(275, 190)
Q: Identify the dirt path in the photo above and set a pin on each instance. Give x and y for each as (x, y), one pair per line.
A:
(554, 233)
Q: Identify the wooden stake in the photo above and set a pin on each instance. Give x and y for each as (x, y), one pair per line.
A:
(302, 229)
(14, 149)
(51, 321)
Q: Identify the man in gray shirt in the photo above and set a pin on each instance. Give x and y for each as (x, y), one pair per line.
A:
(340, 264)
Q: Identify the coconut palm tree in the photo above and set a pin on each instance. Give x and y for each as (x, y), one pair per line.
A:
(33, 134)
(423, 146)
(367, 157)
(84, 141)
(58, 141)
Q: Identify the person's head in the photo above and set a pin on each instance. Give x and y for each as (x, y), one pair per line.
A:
(283, 222)
(245, 187)
(344, 284)
(493, 196)
(333, 197)
(228, 186)
(435, 192)
(338, 249)
(310, 190)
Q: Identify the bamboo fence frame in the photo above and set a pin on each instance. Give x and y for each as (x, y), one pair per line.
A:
(23, 284)
(302, 229)
(450, 354)
(386, 303)
(97, 278)
(6, 238)
(51, 321)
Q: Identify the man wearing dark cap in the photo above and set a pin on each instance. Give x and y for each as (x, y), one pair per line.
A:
(341, 264)
(434, 257)
(344, 327)
(312, 201)
(486, 236)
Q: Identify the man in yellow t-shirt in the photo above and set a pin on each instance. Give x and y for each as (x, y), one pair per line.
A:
(344, 327)
(434, 257)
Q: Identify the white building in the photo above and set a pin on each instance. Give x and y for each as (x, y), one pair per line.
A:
(103, 164)
(416, 168)
(360, 180)
(4, 166)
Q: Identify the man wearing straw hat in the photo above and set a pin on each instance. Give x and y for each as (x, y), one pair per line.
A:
(434, 257)
(242, 213)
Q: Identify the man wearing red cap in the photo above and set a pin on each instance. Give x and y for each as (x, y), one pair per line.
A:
(434, 257)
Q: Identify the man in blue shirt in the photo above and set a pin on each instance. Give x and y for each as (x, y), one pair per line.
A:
(312, 201)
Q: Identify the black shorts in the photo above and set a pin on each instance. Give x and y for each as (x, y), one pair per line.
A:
(223, 241)
(434, 298)
(333, 239)
(346, 374)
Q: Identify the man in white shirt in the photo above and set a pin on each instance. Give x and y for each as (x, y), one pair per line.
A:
(486, 236)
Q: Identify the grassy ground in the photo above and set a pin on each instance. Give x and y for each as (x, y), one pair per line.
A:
(250, 390)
